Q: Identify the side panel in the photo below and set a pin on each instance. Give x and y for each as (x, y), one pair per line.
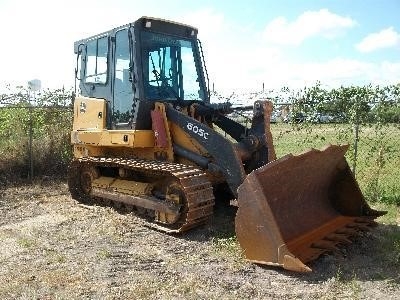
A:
(221, 149)
(122, 138)
(89, 113)
(91, 138)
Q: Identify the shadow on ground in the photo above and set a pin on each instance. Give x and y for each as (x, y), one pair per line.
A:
(372, 256)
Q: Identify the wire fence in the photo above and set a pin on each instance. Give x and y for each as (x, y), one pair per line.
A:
(373, 153)
(35, 143)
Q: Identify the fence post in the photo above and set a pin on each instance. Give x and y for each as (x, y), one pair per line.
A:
(356, 130)
(30, 144)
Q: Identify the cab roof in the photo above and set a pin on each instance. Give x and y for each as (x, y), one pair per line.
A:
(147, 23)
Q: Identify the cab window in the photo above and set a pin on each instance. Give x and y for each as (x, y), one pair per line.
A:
(96, 61)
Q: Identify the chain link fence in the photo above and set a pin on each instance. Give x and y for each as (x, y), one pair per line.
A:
(35, 135)
(35, 138)
(369, 124)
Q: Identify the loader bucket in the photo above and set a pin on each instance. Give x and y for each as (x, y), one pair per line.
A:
(296, 208)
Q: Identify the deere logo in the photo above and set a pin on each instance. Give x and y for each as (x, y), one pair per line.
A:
(82, 108)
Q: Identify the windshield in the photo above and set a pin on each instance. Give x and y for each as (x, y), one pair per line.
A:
(169, 68)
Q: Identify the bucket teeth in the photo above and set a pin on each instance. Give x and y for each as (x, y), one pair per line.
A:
(327, 211)
(340, 238)
(373, 223)
(347, 231)
(365, 221)
(359, 226)
(364, 227)
(325, 245)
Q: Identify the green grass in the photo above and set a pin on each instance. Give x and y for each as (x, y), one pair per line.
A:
(350, 287)
(103, 254)
(228, 245)
(26, 243)
(393, 213)
(378, 153)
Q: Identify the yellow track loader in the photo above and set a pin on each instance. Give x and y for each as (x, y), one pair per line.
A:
(146, 136)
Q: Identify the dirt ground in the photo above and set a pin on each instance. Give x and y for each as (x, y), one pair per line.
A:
(55, 248)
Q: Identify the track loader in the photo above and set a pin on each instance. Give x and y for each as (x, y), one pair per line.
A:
(146, 136)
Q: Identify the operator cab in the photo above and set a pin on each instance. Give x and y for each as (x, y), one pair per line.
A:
(134, 65)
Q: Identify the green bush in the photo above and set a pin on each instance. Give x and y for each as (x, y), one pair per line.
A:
(42, 124)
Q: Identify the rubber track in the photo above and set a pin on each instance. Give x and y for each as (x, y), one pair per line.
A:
(196, 186)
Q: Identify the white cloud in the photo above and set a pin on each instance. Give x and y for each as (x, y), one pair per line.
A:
(331, 73)
(245, 64)
(309, 24)
(334, 73)
(237, 55)
(385, 38)
(38, 39)
(209, 22)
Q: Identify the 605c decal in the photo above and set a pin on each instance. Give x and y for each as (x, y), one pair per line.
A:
(199, 131)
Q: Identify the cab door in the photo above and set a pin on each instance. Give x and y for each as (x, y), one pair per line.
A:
(122, 85)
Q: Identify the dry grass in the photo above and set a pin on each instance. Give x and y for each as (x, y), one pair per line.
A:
(62, 249)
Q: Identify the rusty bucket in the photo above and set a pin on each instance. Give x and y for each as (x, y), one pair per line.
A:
(296, 208)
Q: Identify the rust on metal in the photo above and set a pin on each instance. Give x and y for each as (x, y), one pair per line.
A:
(268, 108)
(159, 129)
(300, 207)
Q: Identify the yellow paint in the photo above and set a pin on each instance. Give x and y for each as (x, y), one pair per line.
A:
(89, 129)
(168, 150)
(143, 138)
(89, 114)
(129, 187)
(124, 138)
(90, 136)
(180, 137)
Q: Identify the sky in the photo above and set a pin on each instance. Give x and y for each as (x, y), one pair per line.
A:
(247, 44)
